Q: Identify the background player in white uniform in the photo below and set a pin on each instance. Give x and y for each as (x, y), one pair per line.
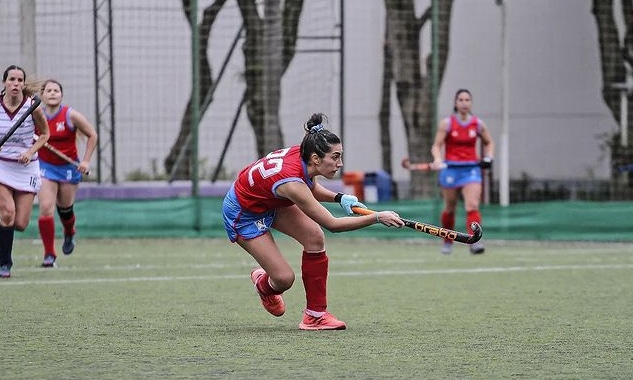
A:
(19, 167)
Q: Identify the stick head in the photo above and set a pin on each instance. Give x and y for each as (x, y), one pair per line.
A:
(477, 233)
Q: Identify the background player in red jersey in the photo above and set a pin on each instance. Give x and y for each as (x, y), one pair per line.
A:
(60, 179)
(279, 191)
(457, 136)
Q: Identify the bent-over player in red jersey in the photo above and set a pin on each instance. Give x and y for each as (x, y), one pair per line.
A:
(279, 191)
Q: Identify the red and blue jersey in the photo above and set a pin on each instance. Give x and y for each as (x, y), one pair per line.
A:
(63, 136)
(461, 140)
(256, 184)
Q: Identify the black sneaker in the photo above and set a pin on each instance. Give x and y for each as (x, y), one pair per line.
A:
(49, 261)
(69, 244)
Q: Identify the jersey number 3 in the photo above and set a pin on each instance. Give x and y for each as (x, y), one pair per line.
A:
(269, 165)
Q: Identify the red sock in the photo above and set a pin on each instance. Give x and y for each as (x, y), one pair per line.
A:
(448, 221)
(264, 288)
(314, 268)
(47, 233)
(472, 216)
(69, 225)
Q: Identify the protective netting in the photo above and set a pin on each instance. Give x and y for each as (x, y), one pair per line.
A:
(547, 221)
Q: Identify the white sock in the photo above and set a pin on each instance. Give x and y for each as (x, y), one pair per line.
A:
(315, 314)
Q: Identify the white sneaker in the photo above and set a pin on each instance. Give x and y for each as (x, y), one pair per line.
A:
(447, 248)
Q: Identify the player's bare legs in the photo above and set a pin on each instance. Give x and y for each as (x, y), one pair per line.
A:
(46, 221)
(65, 203)
(448, 216)
(472, 195)
(314, 267)
(275, 275)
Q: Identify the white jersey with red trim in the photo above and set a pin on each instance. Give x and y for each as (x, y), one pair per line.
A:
(22, 140)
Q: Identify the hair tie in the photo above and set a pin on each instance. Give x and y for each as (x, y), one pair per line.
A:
(316, 128)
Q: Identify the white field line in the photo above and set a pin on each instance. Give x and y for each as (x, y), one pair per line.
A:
(14, 282)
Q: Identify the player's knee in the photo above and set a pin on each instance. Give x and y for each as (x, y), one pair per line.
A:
(8, 218)
(450, 208)
(283, 281)
(47, 209)
(471, 205)
(315, 240)
(20, 226)
(65, 213)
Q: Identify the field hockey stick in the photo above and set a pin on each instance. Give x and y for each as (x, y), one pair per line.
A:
(426, 166)
(430, 229)
(29, 111)
(60, 154)
(420, 166)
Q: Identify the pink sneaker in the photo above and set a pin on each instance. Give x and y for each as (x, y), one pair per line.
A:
(273, 304)
(325, 322)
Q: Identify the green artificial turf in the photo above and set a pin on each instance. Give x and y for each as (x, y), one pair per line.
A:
(186, 309)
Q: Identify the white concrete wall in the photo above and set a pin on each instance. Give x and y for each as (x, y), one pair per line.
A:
(556, 110)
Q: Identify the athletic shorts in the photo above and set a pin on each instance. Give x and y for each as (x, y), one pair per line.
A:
(21, 177)
(454, 177)
(67, 173)
(241, 223)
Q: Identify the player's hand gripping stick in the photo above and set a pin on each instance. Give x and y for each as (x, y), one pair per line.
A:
(430, 229)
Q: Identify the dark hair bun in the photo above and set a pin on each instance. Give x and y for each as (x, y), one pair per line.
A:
(315, 119)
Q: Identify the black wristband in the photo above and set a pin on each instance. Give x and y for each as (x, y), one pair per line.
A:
(337, 197)
(486, 162)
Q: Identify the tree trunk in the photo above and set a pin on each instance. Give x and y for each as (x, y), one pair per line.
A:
(272, 61)
(385, 105)
(268, 48)
(613, 70)
(413, 90)
(614, 57)
(181, 147)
